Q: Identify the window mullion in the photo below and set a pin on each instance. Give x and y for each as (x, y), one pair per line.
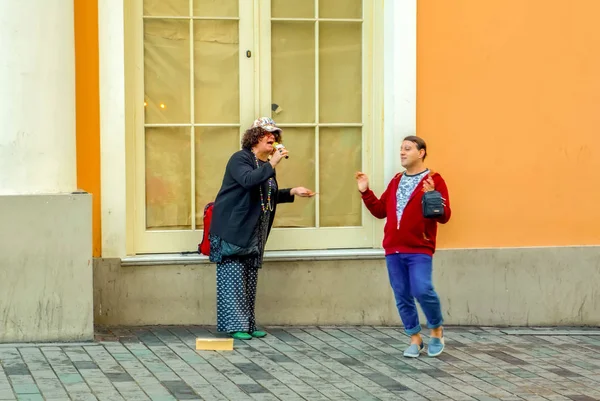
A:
(317, 141)
(192, 118)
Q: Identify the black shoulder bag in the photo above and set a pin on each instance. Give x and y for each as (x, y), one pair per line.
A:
(432, 204)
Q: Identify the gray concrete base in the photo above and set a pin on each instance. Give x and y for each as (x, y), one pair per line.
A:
(46, 291)
(495, 287)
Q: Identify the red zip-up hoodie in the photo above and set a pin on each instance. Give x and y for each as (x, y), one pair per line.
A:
(415, 233)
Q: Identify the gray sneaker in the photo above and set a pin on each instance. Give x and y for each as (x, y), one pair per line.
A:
(414, 350)
(436, 345)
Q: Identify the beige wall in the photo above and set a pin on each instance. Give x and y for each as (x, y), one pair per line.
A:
(534, 286)
(46, 268)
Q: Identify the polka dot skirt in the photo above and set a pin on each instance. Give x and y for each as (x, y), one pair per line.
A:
(236, 295)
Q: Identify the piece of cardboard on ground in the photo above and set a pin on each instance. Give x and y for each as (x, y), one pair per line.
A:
(214, 344)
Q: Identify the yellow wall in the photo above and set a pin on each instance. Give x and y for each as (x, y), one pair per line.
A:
(509, 102)
(88, 108)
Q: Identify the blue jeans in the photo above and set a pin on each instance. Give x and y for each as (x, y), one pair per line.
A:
(410, 278)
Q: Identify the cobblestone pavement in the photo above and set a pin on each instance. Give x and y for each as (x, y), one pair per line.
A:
(307, 363)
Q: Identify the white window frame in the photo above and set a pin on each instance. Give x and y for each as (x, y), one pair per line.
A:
(156, 241)
(328, 237)
(396, 40)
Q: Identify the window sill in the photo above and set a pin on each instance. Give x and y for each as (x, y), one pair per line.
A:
(270, 256)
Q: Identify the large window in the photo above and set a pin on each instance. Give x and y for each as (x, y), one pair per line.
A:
(207, 68)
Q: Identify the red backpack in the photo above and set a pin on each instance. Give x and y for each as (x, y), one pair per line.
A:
(204, 246)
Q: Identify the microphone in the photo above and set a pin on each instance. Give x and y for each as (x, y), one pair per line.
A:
(280, 147)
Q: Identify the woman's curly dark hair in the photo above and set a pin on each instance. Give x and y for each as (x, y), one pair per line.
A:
(253, 135)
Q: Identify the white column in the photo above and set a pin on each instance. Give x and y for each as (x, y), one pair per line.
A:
(37, 97)
(111, 38)
(400, 80)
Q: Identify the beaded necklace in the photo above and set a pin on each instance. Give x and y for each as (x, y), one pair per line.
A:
(269, 190)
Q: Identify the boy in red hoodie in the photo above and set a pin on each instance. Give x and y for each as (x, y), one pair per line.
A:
(409, 242)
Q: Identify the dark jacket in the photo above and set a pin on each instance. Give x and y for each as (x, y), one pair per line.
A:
(237, 206)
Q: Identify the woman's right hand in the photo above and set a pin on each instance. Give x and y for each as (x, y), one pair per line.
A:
(362, 180)
(277, 156)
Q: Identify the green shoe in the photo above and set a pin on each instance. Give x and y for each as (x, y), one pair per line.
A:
(258, 334)
(240, 335)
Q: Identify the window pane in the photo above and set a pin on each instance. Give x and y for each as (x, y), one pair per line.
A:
(340, 9)
(292, 8)
(216, 72)
(167, 71)
(166, 7)
(216, 8)
(297, 171)
(339, 159)
(213, 147)
(340, 72)
(168, 189)
(293, 71)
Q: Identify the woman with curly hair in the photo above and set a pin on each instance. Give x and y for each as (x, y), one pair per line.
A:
(243, 214)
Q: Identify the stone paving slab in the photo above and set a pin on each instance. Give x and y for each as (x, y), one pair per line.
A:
(307, 363)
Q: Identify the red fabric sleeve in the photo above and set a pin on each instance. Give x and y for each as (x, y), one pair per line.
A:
(377, 206)
(440, 186)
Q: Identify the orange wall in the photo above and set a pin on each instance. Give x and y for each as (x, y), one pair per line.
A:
(509, 102)
(88, 108)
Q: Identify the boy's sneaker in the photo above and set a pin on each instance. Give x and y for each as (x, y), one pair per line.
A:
(414, 350)
(436, 345)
